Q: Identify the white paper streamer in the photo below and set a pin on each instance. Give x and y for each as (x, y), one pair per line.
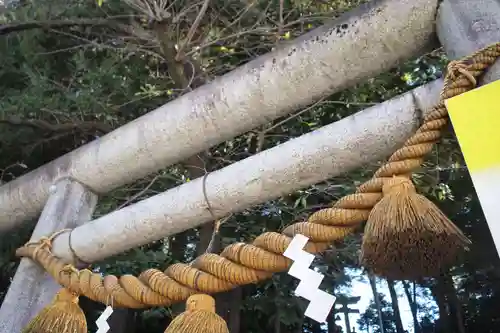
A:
(320, 302)
(102, 321)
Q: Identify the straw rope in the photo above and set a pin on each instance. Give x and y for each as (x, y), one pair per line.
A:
(240, 263)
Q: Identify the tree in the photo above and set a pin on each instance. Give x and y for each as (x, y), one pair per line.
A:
(412, 300)
(376, 300)
(369, 322)
(395, 306)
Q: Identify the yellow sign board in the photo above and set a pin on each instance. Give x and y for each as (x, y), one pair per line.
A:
(475, 116)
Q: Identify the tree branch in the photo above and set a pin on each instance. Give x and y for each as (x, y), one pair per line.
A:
(141, 192)
(192, 30)
(55, 24)
(46, 126)
(20, 26)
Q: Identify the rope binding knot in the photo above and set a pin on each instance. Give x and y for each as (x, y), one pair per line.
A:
(397, 184)
(63, 315)
(456, 67)
(199, 316)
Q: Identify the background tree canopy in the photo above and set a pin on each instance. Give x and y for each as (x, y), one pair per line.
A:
(74, 70)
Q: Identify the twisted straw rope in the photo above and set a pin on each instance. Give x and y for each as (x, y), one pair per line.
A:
(241, 263)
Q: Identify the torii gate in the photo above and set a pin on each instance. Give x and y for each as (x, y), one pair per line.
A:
(344, 303)
(67, 187)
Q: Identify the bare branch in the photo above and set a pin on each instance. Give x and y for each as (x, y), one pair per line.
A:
(137, 195)
(46, 126)
(280, 26)
(192, 30)
(20, 26)
(156, 10)
(294, 115)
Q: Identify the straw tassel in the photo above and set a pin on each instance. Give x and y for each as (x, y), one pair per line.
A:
(63, 315)
(407, 236)
(199, 317)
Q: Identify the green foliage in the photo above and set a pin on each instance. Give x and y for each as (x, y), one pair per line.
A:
(369, 319)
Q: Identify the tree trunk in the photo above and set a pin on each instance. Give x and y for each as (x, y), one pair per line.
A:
(235, 312)
(228, 306)
(300, 326)
(332, 327)
(122, 321)
(413, 306)
(277, 322)
(395, 306)
(178, 245)
(316, 327)
(187, 75)
(373, 284)
(439, 297)
(454, 305)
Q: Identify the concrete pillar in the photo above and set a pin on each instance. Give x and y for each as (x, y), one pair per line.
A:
(465, 26)
(70, 204)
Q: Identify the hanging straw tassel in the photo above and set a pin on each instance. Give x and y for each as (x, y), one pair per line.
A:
(63, 315)
(199, 317)
(407, 236)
